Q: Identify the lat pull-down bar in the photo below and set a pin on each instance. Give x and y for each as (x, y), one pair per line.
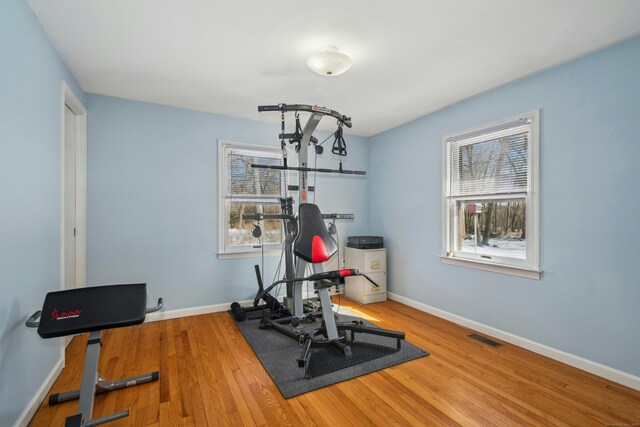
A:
(308, 108)
(303, 141)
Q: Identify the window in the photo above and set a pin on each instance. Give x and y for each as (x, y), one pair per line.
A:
(245, 190)
(490, 197)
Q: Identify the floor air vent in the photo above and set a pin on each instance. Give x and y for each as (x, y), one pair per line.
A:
(484, 340)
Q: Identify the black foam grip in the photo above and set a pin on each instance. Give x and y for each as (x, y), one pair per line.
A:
(155, 375)
(269, 108)
(53, 399)
(334, 274)
(238, 312)
(74, 421)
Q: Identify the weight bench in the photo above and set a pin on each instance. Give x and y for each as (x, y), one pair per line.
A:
(93, 309)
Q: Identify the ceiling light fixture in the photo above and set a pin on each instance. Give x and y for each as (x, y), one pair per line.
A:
(331, 62)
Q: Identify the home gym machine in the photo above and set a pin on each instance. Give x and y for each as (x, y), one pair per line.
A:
(93, 309)
(307, 241)
(301, 139)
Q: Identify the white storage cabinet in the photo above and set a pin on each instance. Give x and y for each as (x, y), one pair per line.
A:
(373, 263)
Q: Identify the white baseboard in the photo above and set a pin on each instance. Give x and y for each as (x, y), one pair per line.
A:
(192, 311)
(590, 366)
(214, 308)
(32, 407)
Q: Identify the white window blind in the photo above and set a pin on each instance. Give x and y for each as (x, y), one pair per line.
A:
(245, 182)
(491, 164)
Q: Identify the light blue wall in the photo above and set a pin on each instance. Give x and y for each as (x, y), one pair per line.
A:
(30, 78)
(588, 300)
(152, 200)
(152, 205)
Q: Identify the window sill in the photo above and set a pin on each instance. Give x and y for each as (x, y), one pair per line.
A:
(496, 268)
(252, 254)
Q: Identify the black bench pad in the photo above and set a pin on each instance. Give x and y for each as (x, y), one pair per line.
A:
(313, 244)
(93, 308)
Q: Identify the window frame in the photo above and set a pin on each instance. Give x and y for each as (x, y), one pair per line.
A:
(225, 252)
(530, 266)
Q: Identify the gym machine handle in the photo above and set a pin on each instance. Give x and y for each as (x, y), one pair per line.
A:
(156, 307)
(33, 322)
(309, 108)
(370, 280)
(326, 275)
(337, 274)
(330, 275)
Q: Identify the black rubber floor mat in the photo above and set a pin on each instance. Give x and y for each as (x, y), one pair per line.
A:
(278, 354)
(325, 360)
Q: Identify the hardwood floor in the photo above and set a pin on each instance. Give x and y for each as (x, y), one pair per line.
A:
(209, 376)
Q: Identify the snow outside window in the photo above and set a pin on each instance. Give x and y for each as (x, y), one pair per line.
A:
(244, 191)
(490, 197)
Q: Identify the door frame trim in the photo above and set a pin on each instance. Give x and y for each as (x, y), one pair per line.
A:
(69, 99)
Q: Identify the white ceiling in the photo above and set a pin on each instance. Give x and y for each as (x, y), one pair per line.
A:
(410, 57)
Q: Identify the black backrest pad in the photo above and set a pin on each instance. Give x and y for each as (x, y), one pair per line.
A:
(313, 243)
(92, 308)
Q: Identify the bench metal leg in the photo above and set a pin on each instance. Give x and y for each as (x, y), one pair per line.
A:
(92, 385)
(329, 320)
(88, 387)
(107, 418)
(104, 386)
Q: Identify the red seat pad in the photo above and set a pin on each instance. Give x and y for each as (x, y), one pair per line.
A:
(318, 250)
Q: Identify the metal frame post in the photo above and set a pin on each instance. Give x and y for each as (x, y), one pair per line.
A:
(303, 154)
(90, 374)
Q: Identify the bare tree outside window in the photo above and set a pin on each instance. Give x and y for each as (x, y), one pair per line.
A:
(493, 225)
(249, 190)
